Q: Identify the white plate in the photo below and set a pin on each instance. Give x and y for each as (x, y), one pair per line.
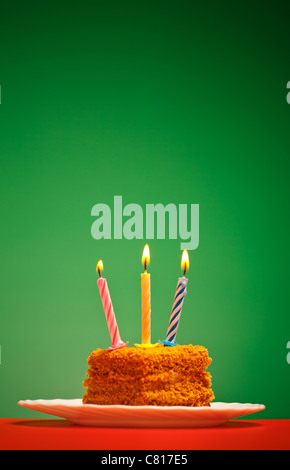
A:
(142, 416)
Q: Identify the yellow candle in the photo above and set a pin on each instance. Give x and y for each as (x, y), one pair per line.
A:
(146, 298)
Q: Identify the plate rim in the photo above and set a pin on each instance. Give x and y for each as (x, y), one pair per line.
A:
(124, 416)
(217, 405)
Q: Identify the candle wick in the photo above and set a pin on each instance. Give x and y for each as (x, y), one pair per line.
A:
(99, 272)
(145, 265)
(184, 272)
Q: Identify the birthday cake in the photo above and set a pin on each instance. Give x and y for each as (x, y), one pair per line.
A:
(158, 376)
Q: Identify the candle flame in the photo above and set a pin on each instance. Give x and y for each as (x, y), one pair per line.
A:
(146, 256)
(184, 261)
(100, 267)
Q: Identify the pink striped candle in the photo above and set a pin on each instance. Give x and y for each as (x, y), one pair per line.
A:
(109, 311)
(178, 301)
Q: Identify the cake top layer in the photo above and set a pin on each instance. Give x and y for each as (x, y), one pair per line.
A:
(148, 360)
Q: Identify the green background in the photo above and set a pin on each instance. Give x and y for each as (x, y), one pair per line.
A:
(160, 102)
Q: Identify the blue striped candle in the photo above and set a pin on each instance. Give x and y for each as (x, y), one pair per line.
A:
(176, 309)
(178, 302)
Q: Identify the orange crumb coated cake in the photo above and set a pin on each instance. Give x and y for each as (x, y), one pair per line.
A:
(160, 376)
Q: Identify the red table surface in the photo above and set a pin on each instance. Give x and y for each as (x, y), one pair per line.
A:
(59, 434)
